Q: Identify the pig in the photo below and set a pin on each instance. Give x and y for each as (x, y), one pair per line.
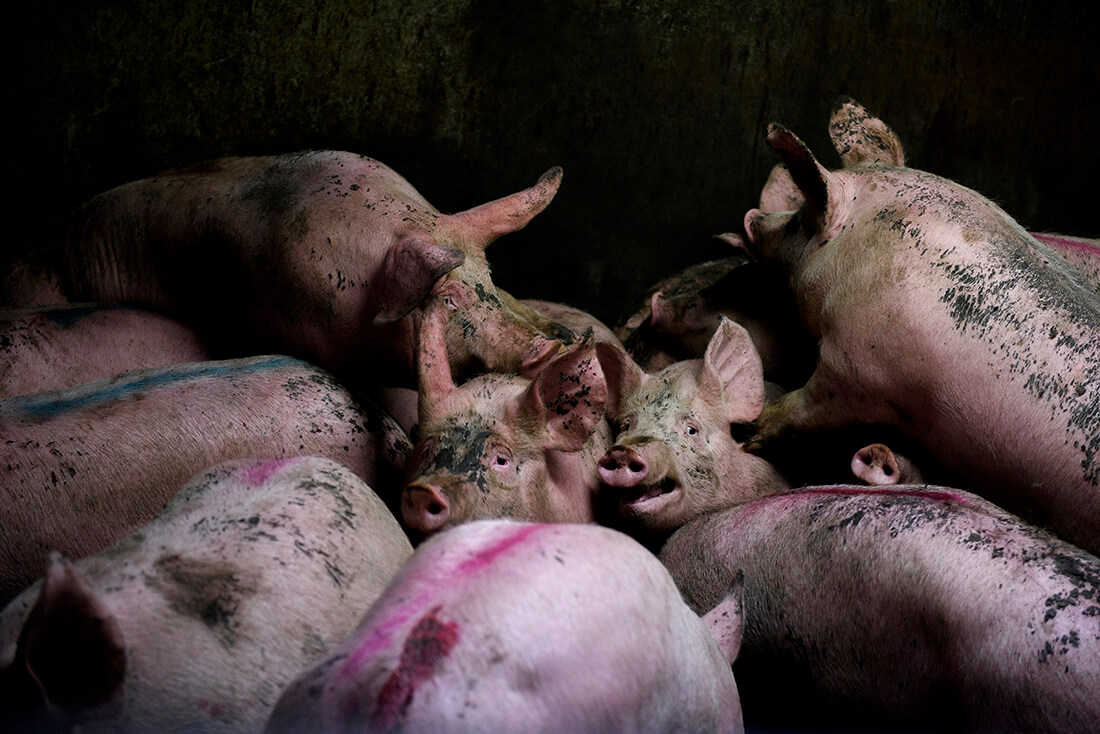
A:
(574, 320)
(510, 626)
(921, 608)
(53, 348)
(937, 313)
(82, 467)
(323, 255)
(877, 465)
(256, 570)
(504, 445)
(682, 312)
(674, 455)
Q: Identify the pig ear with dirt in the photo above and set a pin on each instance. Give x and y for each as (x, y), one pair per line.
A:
(70, 656)
(569, 396)
(409, 272)
(732, 370)
(861, 139)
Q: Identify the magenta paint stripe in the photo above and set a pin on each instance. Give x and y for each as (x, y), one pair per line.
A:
(257, 474)
(382, 633)
(1067, 243)
(941, 495)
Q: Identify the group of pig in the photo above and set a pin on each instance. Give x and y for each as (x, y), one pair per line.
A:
(276, 454)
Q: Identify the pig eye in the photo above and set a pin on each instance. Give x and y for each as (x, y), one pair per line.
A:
(691, 428)
(450, 303)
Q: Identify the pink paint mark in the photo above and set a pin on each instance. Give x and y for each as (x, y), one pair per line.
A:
(429, 643)
(382, 633)
(258, 474)
(1067, 243)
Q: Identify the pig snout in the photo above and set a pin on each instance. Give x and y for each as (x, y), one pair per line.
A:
(424, 508)
(622, 466)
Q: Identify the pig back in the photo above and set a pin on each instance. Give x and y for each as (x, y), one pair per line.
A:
(252, 572)
(917, 606)
(84, 466)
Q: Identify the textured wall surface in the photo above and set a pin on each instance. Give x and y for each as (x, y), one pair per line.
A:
(654, 108)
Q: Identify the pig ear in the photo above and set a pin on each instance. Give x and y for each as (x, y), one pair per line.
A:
(810, 177)
(487, 222)
(781, 193)
(732, 369)
(624, 376)
(876, 465)
(409, 271)
(570, 392)
(862, 139)
(726, 620)
(434, 381)
(71, 644)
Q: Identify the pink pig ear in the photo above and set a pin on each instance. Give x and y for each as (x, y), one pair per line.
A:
(726, 620)
(71, 645)
(435, 384)
(732, 369)
(862, 139)
(409, 271)
(570, 393)
(487, 222)
(780, 193)
(809, 175)
(624, 376)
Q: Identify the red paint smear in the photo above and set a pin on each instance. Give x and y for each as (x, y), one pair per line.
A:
(382, 633)
(429, 643)
(257, 474)
(1075, 244)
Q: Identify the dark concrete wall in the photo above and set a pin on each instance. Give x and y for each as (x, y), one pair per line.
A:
(654, 108)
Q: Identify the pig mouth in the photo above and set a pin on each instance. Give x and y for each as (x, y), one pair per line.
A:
(645, 496)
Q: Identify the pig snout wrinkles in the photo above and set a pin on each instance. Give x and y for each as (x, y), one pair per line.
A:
(425, 508)
(622, 466)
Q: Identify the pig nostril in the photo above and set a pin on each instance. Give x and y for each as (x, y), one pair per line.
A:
(435, 508)
(636, 466)
(888, 470)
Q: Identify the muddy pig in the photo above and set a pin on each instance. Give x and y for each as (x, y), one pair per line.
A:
(199, 620)
(503, 445)
(921, 608)
(674, 455)
(505, 626)
(1082, 253)
(80, 468)
(937, 313)
(682, 312)
(320, 254)
(53, 348)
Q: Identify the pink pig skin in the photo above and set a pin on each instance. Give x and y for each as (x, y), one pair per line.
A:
(916, 607)
(197, 622)
(319, 254)
(53, 348)
(80, 468)
(937, 313)
(505, 626)
(1082, 253)
(674, 456)
(504, 445)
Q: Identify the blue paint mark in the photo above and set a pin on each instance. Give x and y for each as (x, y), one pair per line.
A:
(47, 406)
(66, 317)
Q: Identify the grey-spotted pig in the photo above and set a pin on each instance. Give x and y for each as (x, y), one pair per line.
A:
(504, 626)
(937, 313)
(674, 456)
(198, 621)
(81, 467)
(53, 348)
(321, 254)
(1081, 252)
(916, 608)
(504, 445)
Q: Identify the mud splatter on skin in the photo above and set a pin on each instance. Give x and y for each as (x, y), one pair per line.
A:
(458, 449)
(209, 592)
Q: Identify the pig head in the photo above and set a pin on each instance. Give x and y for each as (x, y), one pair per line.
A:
(937, 313)
(674, 456)
(322, 254)
(503, 445)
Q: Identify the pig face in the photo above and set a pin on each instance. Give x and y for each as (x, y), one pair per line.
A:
(674, 456)
(503, 445)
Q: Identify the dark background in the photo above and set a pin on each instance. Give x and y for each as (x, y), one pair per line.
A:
(654, 108)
